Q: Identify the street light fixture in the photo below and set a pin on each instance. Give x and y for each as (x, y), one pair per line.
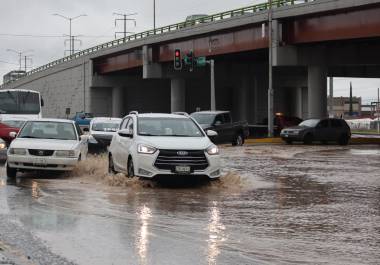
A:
(20, 55)
(70, 19)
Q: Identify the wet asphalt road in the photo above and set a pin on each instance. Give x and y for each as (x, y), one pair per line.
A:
(277, 205)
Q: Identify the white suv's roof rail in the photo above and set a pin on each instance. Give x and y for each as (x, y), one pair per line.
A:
(134, 112)
(181, 113)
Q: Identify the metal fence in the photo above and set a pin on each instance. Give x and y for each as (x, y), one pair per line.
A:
(207, 19)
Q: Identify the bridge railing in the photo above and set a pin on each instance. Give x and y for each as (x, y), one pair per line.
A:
(207, 19)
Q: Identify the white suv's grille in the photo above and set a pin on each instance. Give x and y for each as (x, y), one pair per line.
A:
(169, 159)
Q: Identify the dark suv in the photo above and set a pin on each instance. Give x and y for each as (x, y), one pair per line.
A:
(323, 130)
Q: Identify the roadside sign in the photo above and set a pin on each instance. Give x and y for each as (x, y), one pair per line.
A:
(201, 61)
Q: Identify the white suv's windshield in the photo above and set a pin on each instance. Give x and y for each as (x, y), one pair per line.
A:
(181, 127)
(48, 130)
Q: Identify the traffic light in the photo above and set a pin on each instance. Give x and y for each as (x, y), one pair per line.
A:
(177, 59)
(190, 57)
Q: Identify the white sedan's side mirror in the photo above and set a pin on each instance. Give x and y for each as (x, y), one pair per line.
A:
(12, 134)
(211, 133)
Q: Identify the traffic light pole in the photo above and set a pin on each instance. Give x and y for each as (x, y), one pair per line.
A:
(212, 78)
(270, 85)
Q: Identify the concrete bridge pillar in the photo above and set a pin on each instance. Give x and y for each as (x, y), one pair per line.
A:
(178, 94)
(117, 101)
(317, 91)
(299, 102)
(242, 97)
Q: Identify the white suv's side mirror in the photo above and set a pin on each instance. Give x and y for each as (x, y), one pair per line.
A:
(211, 133)
(12, 134)
(126, 133)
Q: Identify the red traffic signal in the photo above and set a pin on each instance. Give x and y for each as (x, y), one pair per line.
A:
(177, 59)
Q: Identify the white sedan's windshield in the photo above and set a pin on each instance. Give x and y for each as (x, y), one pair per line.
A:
(184, 127)
(48, 130)
(105, 126)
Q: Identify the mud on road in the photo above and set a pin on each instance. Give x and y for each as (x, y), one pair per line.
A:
(275, 204)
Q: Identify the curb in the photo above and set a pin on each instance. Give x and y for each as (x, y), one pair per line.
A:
(279, 141)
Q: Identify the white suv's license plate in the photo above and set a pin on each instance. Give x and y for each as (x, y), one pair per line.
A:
(182, 169)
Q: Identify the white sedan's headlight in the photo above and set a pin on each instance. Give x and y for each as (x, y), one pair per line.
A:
(17, 151)
(146, 149)
(2, 146)
(213, 150)
(65, 153)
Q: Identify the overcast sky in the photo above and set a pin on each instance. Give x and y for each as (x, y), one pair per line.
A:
(34, 17)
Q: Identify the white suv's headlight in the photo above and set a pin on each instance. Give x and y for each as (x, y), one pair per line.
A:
(65, 153)
(2, 146)
(17, 151)
(146, 149)
(213, 150)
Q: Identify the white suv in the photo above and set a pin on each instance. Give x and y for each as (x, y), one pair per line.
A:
(148, 145)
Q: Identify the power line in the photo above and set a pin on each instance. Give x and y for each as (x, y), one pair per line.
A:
(50, 36)
(1, 61)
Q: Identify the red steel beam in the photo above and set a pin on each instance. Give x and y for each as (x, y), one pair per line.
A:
(352, 24)
(118, 62)
(223, 43)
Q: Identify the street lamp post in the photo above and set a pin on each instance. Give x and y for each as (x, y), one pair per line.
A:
(270, 83)
(154, 16)
(20, 53)
(70, 19)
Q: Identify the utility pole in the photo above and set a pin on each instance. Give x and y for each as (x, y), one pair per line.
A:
(378, 114)
(124, 19)
(20, 53)
(72, 39)
(154, 16)
(270, 85)
(331, 96)
(351, 110)
(26, 58)
(70, 19)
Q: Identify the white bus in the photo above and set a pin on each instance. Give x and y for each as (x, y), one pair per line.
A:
(20, 103)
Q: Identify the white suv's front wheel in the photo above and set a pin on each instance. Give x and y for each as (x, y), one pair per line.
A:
(131, 168)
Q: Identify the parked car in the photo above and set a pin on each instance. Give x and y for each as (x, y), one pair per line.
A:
(323, 130)
(3, 150)
(148, 145)
(280, 121)
(83, 119)
(102, 130)
(46, 144)
(283, 121)
(221, 122)
(7, 126)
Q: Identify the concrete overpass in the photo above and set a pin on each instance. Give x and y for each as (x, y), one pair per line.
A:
(312, 40)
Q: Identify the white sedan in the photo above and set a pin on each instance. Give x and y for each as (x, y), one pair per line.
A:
(46, 144)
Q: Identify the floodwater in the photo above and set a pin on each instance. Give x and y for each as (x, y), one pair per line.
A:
(276, 204)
